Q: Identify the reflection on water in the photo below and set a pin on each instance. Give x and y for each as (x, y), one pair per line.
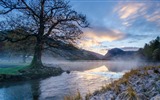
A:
(16, 92)
(55, 88)
(99, 69)
(67, 84)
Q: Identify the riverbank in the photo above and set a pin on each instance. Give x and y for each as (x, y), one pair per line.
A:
(140, 84)
(21, 73)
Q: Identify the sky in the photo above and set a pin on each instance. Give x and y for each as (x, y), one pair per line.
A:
(125, 24)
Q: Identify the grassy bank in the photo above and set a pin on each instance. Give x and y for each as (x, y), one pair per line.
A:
(13, 70)
(24, 72)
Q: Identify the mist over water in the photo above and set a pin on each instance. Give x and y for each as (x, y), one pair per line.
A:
(14, 60)
(86, 76)
(80, 65)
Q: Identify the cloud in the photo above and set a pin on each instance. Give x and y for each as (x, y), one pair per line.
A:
(101, 34)
(130, 48)
(129, 10)
(93, 38)
(136, 36)
(154, 14)
(132, 41)
(125, 48)
(121, 23)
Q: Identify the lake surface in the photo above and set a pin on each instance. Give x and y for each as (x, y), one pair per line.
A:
(85, 76)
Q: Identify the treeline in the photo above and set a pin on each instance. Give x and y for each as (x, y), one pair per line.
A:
(151, 50)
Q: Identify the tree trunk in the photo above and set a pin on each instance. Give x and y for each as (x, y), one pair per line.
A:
(37, 62)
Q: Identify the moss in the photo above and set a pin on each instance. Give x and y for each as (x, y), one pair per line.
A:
(13, 71)
(27, 72)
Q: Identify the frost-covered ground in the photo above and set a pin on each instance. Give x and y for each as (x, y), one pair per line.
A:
(143, 84)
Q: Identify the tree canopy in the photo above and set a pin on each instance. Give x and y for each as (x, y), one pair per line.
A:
(52, 22)
(151, 51)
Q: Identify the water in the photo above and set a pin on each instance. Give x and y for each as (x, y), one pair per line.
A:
(85, 76)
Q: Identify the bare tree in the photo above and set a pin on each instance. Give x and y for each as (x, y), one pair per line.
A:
(52, 22)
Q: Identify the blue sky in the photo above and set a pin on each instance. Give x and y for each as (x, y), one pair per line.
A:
(126, 24)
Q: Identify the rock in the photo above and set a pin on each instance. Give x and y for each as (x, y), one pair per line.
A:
(157, 97)
(68, 72)
(142, 96)
(95, 98)
(122, 87)
(149, 85)
(151, 93)
(126, 96)
(156, 71)
(142, 72)
(109, 95)
(139, 88)
(158, 85)
(150, 72)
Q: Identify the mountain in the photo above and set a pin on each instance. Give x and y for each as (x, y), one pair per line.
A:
(117, 53)
(99, 56)
(73, 54)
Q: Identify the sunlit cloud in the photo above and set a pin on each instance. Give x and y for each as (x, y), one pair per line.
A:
(101, 34)
(94, 37)
(154, 17)
(130, 10)
(124, 23)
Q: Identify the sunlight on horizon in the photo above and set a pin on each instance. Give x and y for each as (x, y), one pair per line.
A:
(120, 24)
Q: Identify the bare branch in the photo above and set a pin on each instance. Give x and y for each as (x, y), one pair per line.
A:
(29, 8)
(58, 44)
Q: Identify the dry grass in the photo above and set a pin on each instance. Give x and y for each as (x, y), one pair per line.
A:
(129, 94)
(76, 97)
(87, 97)
(132, 95)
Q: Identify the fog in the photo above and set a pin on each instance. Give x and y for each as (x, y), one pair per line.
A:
(15, 61)
(85, 76)
(116, 65)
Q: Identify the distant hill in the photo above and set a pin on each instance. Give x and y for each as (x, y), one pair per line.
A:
(117, 53)
(74, 54)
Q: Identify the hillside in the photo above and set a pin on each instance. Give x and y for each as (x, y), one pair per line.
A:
(117, 53)
(74, 54)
